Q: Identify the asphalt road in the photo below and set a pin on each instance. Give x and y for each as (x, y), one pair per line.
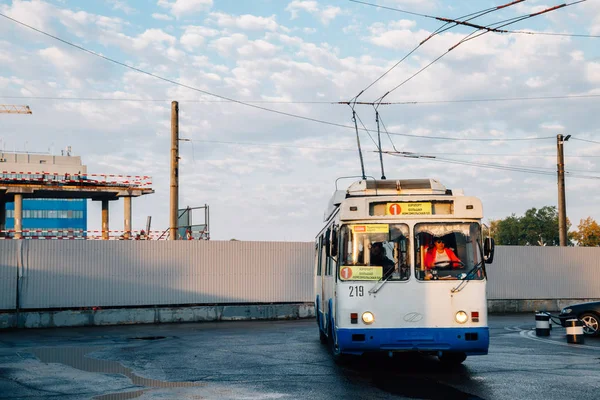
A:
(283, 360)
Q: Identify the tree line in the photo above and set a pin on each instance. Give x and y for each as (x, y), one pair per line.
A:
(539, 227)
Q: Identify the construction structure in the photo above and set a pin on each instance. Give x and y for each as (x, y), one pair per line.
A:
(63, 179)
(11, 109)
(45, 217)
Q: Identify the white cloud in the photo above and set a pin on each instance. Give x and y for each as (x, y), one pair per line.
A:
(325, 15)
(161, 17)
(593, 72)
(183, 8)
(195, 36)
(122, 5)
(245, 22)
(253, 57)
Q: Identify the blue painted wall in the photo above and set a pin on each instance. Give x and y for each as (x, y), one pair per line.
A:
(50, 214)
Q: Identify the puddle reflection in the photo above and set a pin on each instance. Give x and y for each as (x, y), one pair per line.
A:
(76, 357)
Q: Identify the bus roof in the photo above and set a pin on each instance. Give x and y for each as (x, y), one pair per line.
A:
(388, 187)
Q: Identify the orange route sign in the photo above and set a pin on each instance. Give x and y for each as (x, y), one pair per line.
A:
(423, 208)
(346, 273)
(361, 273)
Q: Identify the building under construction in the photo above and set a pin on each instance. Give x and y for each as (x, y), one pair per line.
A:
(43, 195)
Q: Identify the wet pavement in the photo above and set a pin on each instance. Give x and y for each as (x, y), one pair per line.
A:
(283, 360)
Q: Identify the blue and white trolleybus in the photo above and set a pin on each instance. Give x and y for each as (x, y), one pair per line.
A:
(399, 267)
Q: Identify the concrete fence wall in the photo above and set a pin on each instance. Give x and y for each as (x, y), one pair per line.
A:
(75, 274)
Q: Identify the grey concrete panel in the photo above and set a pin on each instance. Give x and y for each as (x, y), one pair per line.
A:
(8, 274)
(66, 274)
(534, 272)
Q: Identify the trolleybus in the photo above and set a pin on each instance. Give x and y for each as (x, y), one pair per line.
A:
(400, 267)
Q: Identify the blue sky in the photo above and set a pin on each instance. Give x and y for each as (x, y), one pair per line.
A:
(268, 176)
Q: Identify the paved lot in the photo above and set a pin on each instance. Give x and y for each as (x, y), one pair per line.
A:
(282, 360)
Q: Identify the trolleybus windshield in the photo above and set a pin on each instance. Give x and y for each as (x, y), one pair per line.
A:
(375, 251)
(448, 251)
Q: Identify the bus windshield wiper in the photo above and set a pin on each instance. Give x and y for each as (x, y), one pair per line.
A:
(380, 283)
(468, 277)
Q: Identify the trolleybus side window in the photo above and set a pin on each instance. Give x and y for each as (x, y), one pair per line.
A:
(374, 251)
(318, 256)
(448, 251)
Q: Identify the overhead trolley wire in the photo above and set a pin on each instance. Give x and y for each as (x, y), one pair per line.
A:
(499, 24)
(511, 21)
(438, 31)
(506, 31)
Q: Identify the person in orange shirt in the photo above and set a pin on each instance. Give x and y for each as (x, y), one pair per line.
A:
(441, 256)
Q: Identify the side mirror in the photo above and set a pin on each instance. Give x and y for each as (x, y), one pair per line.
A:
(488, 250)
(334, 243)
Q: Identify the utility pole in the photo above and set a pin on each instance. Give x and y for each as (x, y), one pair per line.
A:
(174, 170)
(562, 206)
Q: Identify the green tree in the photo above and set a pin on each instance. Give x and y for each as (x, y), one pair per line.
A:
(538, 227)
(587, 233)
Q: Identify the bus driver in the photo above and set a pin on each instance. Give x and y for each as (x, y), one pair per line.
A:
(441, 256)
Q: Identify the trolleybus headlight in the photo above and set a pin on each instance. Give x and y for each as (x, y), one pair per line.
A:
(461, 317)
(368, 318)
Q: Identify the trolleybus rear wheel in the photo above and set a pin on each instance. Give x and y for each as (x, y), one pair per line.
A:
(322, 336)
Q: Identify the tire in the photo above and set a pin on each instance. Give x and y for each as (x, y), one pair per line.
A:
(338, 357)
(322, 336)
(452, 358)
(591, 324)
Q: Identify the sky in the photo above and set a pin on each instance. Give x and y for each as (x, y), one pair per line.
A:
(486, 114)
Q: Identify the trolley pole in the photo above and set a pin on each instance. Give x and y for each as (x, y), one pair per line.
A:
(562, 207)
(174, 204)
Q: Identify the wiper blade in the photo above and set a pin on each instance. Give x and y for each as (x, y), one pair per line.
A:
(473, 270)
(380, 283)
(468, 277)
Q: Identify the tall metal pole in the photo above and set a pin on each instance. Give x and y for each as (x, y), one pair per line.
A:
(174, 170)
(562, 207)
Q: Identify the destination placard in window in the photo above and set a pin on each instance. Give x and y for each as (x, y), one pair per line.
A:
(422, 208)
(356, 273)
(371, 228)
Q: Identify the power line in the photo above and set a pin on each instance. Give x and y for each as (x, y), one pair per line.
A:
(394, 9)
(406, 153)
(217, 95)
(469, 37)
(408, 102)
(585, 140)
(271, 145)
(438, 31)
(498, 99)
(529, 170)
(164, 100)
(506, 31)
(170, 80)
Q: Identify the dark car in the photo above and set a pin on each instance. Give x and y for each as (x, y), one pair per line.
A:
(588, 313)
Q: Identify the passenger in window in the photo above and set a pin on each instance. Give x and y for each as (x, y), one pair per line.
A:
(379, 258)
(441, 256)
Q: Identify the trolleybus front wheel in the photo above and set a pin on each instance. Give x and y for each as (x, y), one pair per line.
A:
(338, 357)
(450, 358)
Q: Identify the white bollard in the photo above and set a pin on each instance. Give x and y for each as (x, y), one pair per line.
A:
(542, 324)
(574, 331)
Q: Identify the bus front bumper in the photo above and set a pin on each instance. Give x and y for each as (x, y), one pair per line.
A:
(472, 341)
